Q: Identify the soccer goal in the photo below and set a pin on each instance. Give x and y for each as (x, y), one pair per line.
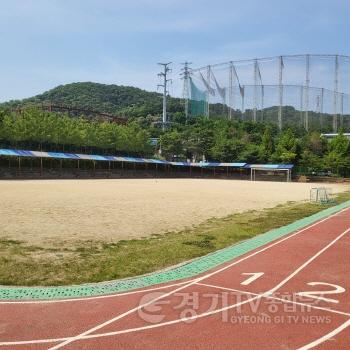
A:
(271, 172)
(322, 195)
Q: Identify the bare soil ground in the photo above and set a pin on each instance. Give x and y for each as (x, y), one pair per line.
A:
(56, 212)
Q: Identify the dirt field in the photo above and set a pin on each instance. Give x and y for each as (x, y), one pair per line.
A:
(56, 211)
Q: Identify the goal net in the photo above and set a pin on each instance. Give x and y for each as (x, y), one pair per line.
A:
(321, 195)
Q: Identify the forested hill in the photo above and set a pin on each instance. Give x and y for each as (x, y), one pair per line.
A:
(114, 99)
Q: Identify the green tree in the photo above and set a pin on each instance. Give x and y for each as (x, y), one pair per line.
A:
(172, 144)
(267, 146)
(338, 157)
(287, 147)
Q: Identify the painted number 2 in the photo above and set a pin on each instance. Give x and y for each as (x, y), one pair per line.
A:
(319, 295)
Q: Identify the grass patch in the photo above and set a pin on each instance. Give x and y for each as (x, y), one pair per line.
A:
(89, 261)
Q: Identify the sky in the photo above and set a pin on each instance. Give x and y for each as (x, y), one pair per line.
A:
(45, 43)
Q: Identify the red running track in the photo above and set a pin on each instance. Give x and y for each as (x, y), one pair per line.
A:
(293, 293)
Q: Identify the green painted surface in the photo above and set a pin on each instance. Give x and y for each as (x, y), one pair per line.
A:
(186, 270)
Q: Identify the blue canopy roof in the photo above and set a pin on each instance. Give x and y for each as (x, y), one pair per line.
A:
(270, 166)
(77, 156)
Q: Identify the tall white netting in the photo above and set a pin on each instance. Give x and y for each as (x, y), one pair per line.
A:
(309, 90)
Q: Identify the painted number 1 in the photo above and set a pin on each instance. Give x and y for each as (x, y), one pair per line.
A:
(254, 276)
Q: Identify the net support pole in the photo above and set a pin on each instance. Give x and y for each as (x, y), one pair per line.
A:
(280, 91)
(230, 92)
(262, 101)
(341, 110)
(307, 87)
(301, 105)
(255, 89)
(186, 98)
(335, 96)
(242, 95)
(208, 92)
(321, 107)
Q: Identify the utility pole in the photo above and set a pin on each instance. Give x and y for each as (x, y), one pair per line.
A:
(164, 76)
(185, 76)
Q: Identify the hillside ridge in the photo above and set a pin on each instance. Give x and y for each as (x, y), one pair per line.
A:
(122, 100)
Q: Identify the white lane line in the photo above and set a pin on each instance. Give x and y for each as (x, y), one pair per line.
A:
(91, 298)
(286, 301)
(84, 335)
(184, 319)
(36, 341)
(179, 320)
(97, 327)
(266, 294)
(326, 337)
(130, 330)
(258, 296)
(308, 262)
